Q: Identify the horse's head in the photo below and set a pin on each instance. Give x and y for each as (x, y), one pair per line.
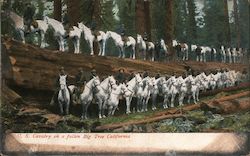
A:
(138, 78)
(162, 43)
(108, 34)
(123, 88)
(174, 43)
(193, 47)
(81, 25)
(138, 38)
(96, 82)
(62, 81)
(112, 81)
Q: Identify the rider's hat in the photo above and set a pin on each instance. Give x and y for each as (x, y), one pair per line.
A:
(61, 69)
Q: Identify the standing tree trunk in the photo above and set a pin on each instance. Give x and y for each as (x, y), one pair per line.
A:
(227, 26)
(140, 17)
(147, 18)
(170, 26)
(58, 10)
(191, 21)
(236, 20)
(73, 10)
(96, 17)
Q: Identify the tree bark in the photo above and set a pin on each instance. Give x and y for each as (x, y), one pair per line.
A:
(143, 19)
(147, 18)
(236, 20)
(73, 8)
(192, 22)
(96, 17)
(170, 26)
(58, 10)
(140, 17)
(227, 26)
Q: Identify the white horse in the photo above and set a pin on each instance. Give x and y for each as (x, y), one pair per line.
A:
(164, 47)
(90, 38)
(131, 90)
(63, 95)
(113, 100)
(184, 50)
(155, 91)
(104, 90)
(121, 45)
(223, 54)
(229, 55)
(18, 23)
(143, 47)
(143, 94)
(41, 27)
(75, 35)
(59, 31)
(87, 95)
(234, 55)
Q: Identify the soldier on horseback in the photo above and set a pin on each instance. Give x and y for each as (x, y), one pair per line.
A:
(57, 85)
(80, 81)
(122, 32)
(145, 38)
(120, 78)
(29, 15)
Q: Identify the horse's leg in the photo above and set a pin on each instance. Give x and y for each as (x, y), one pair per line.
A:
(100, 49)
(62, 43)
(165, 102)
(22, 35)
(42, 39)
(128, 104)
(91, 47)
(138, 104)
(120, 52)
(153, 55)
(78, 45)
(103, 47)
(153, 101)
(133, 52)
(113, 111)
(172, 100)
(83, 110)
(103, 108)
(110, 108)
(123, 52)
(181, 97)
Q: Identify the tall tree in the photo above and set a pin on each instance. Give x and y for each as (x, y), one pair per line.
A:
(143, 20)
(236, 20)
(244, 19)
(214, 23)
(73, 11)
(227, 25)
(58, 10)
(169, 25)
(181, 21)
(191, 20)
(147, 18)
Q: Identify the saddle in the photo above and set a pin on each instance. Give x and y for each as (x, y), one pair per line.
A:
(34, 24)
(125, 39)
(95, 33)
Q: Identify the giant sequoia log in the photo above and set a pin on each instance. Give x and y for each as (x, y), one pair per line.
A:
(35, 68)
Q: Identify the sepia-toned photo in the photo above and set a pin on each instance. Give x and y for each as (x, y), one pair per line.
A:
(125, 77)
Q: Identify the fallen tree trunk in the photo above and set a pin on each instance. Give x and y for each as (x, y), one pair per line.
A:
(36, 68)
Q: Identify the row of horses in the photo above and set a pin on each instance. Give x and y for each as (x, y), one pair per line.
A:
(108, 93)
(144, 48)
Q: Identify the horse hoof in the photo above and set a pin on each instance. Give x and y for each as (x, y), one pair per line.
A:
(104, 116)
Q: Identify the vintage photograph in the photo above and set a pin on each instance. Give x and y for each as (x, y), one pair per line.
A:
(125, 67)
